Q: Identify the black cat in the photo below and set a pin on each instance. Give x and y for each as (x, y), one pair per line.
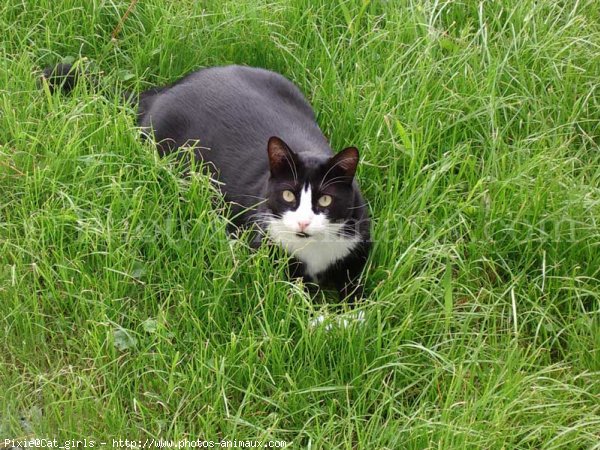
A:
(255, 130)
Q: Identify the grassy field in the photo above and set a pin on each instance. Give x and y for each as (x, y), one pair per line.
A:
(126, 312)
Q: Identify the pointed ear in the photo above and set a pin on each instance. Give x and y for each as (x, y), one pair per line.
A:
(282, 160)
(345, 162)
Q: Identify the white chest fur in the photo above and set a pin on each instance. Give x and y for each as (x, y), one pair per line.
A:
(318, 256)
(316, 252)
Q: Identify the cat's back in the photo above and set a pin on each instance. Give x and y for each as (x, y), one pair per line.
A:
(239, 83)
(229, 94)
(229, 113)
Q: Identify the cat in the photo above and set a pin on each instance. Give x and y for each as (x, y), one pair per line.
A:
(257, 133)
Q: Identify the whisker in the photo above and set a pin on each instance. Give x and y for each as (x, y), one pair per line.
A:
(329, 170)
(333, 181)
(362, 205)
(292, 166)
(252, 196)
(264, 217)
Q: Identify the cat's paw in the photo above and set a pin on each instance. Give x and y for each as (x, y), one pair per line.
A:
(343, 320)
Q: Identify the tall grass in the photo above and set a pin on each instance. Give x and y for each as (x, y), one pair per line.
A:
(127, 312)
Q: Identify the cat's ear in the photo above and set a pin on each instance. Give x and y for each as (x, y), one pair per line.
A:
(344, 163)
(282, 160)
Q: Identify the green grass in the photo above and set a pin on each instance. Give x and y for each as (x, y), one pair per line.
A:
(126, 312)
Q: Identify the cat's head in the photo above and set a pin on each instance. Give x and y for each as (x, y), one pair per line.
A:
(310, 199)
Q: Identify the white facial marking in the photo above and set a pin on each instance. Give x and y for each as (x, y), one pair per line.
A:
(301, 219)
(322, 246)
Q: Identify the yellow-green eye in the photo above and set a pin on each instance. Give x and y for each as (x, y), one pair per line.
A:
(325, 201)
(288, 196)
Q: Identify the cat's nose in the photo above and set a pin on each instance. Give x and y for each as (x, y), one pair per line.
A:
(303, 224)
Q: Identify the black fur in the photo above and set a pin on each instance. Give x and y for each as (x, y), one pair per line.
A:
(229, 114)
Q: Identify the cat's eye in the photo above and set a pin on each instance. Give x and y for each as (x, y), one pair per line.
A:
(288, 196)
(325, 201)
